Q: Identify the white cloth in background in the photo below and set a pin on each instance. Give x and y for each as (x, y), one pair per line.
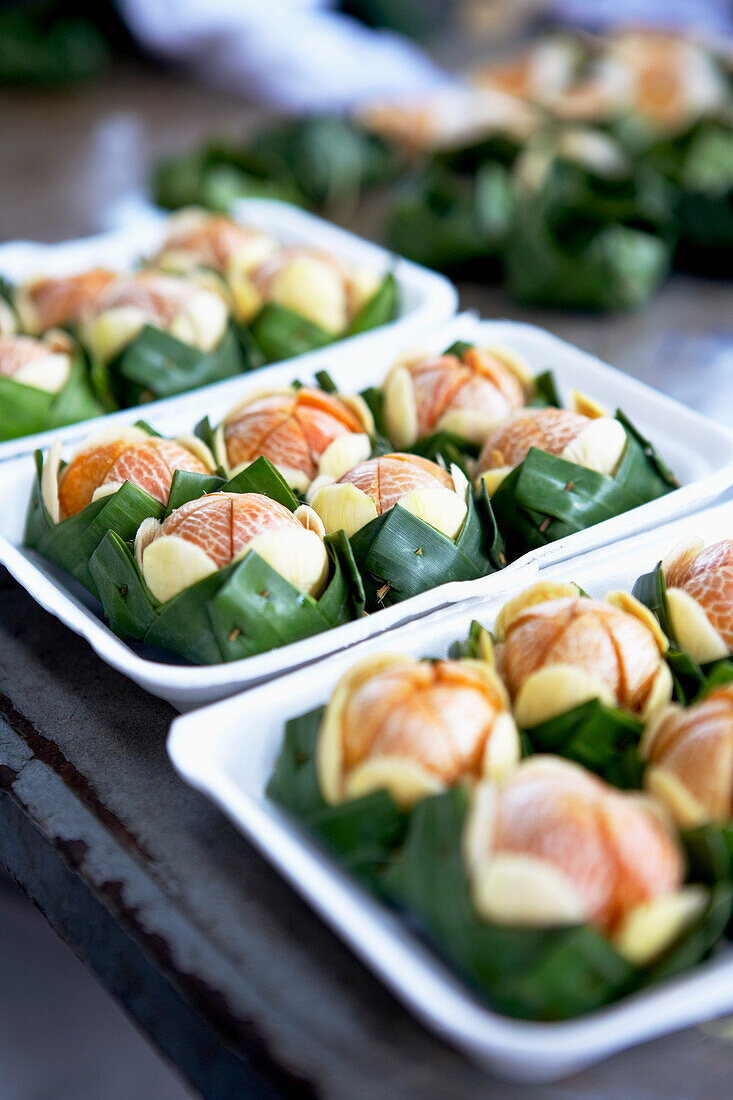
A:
(712, 16)
(294, 54)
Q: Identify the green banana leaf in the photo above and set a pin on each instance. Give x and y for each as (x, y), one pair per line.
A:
(546, 498)
(709, 850)
(539, 974)
(587, 242)
(72, 542)
(698, 163)
(279, 333)
(210, 177)
(399, 555)
(362, 832)
(449, 221)
(243, 609)
(156, 364)
(25, 410)
(603, 739)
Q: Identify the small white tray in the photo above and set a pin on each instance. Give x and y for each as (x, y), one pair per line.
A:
(699, 450)
(228, 751)
(425, 296)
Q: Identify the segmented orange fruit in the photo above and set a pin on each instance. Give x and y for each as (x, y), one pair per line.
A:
(708, 578)
(149, 464)
(63, 301)
(547, 429)
(291, 429)
(211, 240)
(160, 297)
(695, 744)
(391, 477)
(478, 381)
(591, 635)
(610, 846)
(437, 715)
(223, 524)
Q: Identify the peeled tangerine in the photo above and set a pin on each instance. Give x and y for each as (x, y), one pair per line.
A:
(413, 728)
(552, 845)
(699, 582)
(373, 487)
(197, 239)
(42, 364)
(105, 462)
(307, 281)
(304, 432)
(45, 302)
(690, 759)
(209, 533)
(468, 395)
(184, 307)
(597, 442)
(559, 649)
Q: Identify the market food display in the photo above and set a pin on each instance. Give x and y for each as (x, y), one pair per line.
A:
(214, 299)
(491, 468)
(580, 167)
(535, 805)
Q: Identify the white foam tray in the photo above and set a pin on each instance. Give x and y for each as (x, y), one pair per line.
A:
(228, 751)
(425, 296)
(700, 451)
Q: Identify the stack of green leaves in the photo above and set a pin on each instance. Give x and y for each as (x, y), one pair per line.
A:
(25, 410)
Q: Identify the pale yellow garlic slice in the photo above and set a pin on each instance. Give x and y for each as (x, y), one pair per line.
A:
(660, 693)
(600, 446)
(524, 891)
(146, 532)
(50, 481)
(343, 507)
(246, 297)
(313, 289)
(400, 407)
(8, 324)
(110, 332)
(202, 321)
(405, 780)
(686, 810)
(556, 689)
(170, 564)
(692, 628)
(298, 556)
(198, 448)
(492, 479)
(440, 507)
(503, 748)
(345, 452)
(585, 405)
(629, 604)
(49, 373)
(652, 927)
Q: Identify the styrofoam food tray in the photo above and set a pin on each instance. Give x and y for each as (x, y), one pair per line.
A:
(228, 751)
(700, 451)
(425, 296)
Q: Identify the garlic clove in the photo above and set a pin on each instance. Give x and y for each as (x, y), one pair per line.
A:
(600, 446)
(442, 508)
(503, 748)
(651, 927)
(405, 780)
(170, 564)
(555, 689)
(672, 793)
(692, 628)
(524, 891)
(345, 452)
(297, 555)
(492, 479)
(110, 332)
(400, 407)
(313, 289)
(50, 481)
(629, 604)
(343, 507)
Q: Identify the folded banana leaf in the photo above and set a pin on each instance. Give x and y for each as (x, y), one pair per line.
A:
(211, 177)
(243, 609)
(538, 974)
(447, 220)
(587, 242)
(318, 160)
(692, 681)
(362, 832)
(279, 333)
(546, 498)
(699, 166)
(399, 555)
(709, 850)
(25, 410)
(156, 364)
(72, 542)
(603, 739)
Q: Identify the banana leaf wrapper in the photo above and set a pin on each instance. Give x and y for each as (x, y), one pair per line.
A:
(602, 739)
(25, 410)
(279, 333)
(538, 974)
(212, 177)
(362, 833)
(71, 543)
(156, 365)
(450, 221)
(546, 498)
(399, 555)
(692, 681)
(243, 609)
(699, 165)
(589, 243)
(709, 851)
